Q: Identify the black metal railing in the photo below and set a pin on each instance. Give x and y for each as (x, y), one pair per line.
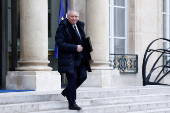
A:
(166, 61)
(164, 69)
(125, 63)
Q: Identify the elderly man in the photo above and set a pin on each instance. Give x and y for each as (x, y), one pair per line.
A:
(73, 55)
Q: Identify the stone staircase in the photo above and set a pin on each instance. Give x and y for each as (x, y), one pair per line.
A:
(148, 99)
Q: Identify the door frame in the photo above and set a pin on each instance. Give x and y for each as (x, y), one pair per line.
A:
(3, 42)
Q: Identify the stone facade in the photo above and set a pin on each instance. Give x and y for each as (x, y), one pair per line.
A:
(144, 25)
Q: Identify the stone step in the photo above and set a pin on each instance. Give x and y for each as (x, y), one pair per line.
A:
(123, 108)
(49, 105)
(88, 93)
(167, 110)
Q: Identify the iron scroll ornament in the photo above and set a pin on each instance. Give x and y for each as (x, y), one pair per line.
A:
(146, 57)
(125, 63)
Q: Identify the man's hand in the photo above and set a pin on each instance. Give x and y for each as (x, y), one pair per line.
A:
(79, 48)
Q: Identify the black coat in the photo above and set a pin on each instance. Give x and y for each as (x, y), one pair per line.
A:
(67, 47)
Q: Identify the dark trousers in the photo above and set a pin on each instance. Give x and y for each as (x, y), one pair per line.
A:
(74, 81)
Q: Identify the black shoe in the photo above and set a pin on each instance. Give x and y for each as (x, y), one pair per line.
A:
(63, 93)
(74, 107)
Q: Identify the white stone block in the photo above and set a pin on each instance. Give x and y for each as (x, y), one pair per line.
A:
(102, 78)
(33, 80)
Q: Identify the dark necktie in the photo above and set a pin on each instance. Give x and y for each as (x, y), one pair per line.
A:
(80, 41)
(76, 31)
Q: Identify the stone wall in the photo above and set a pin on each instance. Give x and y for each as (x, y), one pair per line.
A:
(145, 25)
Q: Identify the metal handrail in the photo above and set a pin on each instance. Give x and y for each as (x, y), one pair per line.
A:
(148, 53)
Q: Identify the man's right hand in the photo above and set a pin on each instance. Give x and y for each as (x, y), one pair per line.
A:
(79, 48)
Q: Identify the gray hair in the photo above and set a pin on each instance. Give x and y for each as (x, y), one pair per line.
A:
(68, 13)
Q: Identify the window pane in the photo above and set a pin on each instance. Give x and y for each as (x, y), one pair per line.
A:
(164, 26)
(119, 22)
(164, 5)
(119, 2)
(119, 46)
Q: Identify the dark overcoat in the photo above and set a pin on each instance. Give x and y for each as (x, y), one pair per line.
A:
(67, 47)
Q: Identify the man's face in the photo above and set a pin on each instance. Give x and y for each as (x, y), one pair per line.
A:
(73, 17)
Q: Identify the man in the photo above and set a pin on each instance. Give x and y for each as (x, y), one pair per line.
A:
(73, 55)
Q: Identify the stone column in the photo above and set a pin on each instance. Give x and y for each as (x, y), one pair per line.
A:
(34, 36)
(97, 27)
(33, 72)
